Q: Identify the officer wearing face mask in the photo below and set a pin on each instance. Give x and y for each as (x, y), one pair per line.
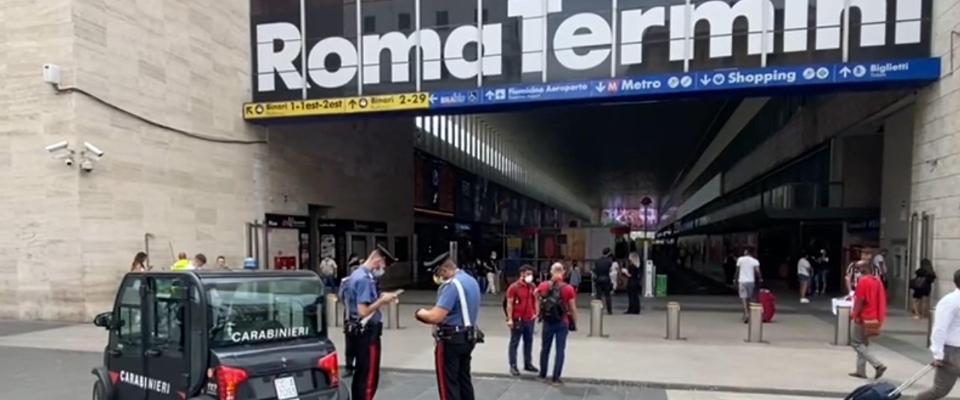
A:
(364, 325)
(455, 327)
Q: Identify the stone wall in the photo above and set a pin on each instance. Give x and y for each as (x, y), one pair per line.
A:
(192, 183)
(936, 150)
(39, 235)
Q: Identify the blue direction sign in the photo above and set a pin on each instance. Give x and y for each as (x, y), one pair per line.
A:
(840, 75)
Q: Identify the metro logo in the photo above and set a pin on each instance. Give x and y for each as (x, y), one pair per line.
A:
(580, 42)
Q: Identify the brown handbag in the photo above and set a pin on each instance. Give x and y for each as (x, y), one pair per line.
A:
(871, 327)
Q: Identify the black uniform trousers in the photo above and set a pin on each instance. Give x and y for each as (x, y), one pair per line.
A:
(350, 349)
(603, 289)
(453, 356)
(366, 377)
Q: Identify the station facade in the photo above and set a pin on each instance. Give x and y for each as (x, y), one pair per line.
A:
(228, 126)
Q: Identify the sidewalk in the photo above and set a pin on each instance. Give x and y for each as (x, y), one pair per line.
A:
(797, 360)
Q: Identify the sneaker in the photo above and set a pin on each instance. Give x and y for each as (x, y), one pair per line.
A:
(805, 301)
(556, 383)
(880, 372)
(857, 375)
(531, 368)
(514, 371)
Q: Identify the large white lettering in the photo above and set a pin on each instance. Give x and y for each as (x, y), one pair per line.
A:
(581, 41)
(270, 334)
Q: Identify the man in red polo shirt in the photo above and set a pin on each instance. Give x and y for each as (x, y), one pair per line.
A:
(522, 310)
(869, 311)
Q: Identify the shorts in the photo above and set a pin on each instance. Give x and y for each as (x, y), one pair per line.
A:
(803, 278)
(748, 290)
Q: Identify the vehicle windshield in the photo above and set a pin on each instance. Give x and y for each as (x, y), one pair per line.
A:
(258, 310)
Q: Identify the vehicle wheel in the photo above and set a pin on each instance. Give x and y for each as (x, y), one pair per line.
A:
(99, 392)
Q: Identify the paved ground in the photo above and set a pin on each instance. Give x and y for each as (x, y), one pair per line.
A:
(47, 361)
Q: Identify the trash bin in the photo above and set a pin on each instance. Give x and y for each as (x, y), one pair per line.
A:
(661, 288)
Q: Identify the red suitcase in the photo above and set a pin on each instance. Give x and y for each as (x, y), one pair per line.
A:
(769, 304)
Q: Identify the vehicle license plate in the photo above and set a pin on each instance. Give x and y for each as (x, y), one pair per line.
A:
(286, 388)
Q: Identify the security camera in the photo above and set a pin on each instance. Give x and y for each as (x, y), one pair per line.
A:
(53, 148)
(93, 149)
(68, 161)
(86, 165)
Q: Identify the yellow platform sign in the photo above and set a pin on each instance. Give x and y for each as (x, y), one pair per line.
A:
(337, 106)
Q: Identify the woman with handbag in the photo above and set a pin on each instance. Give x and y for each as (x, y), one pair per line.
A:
(869, 311)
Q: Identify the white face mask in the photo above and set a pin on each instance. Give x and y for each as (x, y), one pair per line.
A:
(528, 279)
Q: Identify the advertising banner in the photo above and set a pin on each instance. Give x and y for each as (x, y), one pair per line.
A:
(354, 57)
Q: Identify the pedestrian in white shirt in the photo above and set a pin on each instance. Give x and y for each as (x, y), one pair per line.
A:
(804, 271)
(614, 276)
(945, 344)
(748, 274)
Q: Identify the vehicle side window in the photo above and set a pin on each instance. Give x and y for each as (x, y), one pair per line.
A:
(129, 313)
(170, 300)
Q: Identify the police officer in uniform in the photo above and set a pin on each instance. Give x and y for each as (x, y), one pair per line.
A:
(364, 325)
(455, 327)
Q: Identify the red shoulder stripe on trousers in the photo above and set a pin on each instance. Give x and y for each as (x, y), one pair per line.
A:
(441, 382)
(370, 373)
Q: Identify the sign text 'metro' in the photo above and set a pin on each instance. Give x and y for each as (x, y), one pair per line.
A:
(578, 42)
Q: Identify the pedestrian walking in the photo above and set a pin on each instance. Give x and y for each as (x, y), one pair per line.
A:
(748, 275)
(633, 276)
(328, 272)
(199, 261)
(603, 287)
(364, 303)
(869, 311)
(822, 272)
(853, 274)
(945, 344)
(522, 310)
(455, 331)
(558, 311)
(492, 272)
(139, 263)
(575, 277)
(804, 272)
(922, 286)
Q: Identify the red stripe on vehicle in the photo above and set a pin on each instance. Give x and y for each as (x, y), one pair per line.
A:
(114, 376)
(371, 371)
(441, 383)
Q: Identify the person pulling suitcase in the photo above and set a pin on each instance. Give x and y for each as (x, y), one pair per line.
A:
(945, 344)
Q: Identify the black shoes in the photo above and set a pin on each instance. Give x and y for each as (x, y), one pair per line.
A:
(880, 372)
(531, 368)
(514, 371)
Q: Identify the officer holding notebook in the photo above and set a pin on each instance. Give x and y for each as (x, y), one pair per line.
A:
(364, 326)
(455, 327)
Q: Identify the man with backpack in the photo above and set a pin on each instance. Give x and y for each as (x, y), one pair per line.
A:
(558, 311)
(521, 310)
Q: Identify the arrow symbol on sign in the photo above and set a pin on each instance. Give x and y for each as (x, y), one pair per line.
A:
(845, 71)
(353, 103)
(433, 99)
(705, 80)
(490, 95)
(600, 87)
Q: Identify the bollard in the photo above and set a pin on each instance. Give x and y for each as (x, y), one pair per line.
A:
(333, 318)
(673, 321)
(393, 314)
(841, 329)
(930, 325)
(755, 325)
(596, 319)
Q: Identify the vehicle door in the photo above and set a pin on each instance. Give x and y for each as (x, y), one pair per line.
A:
(124, 353)
(169, 369)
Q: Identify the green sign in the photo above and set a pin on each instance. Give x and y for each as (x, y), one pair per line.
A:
(661, 288)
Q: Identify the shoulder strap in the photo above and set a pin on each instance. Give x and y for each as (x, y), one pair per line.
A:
(467, 322)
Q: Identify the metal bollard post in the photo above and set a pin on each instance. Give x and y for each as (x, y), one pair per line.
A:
(841, 329)
(930, 325)
(393, 314)
(333, 318)
(673, 321)
(755, 325)
(596, 319)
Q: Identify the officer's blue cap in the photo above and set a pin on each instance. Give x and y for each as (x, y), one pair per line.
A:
(437, 261)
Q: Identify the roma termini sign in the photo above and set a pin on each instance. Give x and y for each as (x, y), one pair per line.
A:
(423, 54)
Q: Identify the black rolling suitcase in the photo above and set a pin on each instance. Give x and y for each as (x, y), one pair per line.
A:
(884, 390)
